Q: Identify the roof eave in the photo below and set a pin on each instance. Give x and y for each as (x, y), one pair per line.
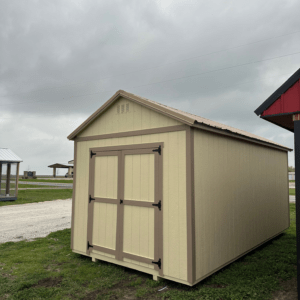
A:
(239, 136)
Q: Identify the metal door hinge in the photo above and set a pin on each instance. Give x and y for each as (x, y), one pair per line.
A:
(157, 204)
(89, 245)
(92, 153)
(157, 150)
(157, 263)
(121, 201)
(90, 199)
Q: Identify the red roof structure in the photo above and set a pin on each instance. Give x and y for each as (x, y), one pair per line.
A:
(283, 103)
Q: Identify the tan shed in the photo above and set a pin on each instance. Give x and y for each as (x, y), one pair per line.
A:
(172, 194)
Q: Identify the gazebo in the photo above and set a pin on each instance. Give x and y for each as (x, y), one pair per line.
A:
(9, 174)
(63, 166)
(283, 109)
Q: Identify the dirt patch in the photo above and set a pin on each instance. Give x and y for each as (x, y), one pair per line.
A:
(49, 282)
(289, 291)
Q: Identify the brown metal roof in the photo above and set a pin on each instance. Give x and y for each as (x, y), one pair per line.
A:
(184, 117)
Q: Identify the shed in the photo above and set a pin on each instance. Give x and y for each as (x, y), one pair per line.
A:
(173, 194)
(9, 174)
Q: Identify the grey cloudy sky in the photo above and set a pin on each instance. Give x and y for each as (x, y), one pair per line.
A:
(61, 60)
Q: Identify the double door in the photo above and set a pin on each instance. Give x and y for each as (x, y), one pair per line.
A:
(125, 203)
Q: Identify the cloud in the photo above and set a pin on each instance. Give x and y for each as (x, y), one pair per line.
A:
(60, 61)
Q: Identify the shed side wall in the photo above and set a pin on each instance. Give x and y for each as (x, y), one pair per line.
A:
(174, 196)
(241, 198)
(118, 119)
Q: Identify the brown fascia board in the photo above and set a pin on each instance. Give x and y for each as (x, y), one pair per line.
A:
(159, 108)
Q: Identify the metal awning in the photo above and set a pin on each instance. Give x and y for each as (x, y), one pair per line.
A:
(6, 155)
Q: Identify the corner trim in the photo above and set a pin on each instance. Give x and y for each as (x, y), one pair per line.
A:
(73, 195)
(190, 211)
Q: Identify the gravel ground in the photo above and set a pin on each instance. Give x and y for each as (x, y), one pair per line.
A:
(32, 220)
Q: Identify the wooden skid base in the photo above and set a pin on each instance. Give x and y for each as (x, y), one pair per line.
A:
(154, 273)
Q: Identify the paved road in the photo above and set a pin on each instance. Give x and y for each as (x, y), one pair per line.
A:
(56, 184)
(28, 221)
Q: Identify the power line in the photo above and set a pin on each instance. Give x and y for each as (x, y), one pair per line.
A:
(191, 94)
(154, 67)
(173, 79)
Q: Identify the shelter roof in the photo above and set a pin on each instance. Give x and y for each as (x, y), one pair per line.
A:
(58, 165)
(8, 156)
(281, 90)
(184, 117)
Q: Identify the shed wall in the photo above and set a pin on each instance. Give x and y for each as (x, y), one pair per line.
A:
(174, 195)
(241, 198)
(125, 115)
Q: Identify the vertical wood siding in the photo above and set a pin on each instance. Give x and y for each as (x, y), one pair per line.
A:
(174, 193)
(104, 227)
(136, 118)
(139, 231)
(139, 177)
(241, 198)
(106, 177)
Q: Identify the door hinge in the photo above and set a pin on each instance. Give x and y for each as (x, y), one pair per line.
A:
(157, 204)
(90, 199)
(121, 201)
(157, 150)
(89, 245)
(92, 153)
(157, 263)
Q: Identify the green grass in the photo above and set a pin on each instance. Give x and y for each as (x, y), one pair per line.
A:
(29, 196)
(291, 180)
(292, 192)
(47, 269)
(48, 180)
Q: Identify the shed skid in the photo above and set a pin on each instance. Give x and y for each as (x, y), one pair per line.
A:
(155, 192)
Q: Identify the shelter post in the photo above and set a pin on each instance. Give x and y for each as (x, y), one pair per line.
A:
(8, 178)
(54, 172)
(296, 119)
(17, 181)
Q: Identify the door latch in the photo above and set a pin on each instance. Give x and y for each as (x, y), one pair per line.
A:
(157, 204)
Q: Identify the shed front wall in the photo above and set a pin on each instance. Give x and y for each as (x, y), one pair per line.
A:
(241, 198)
(125, 115)
(174, 198)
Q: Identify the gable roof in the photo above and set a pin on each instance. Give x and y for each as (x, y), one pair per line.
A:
(281, 90)
(8, 156)
(184, 117)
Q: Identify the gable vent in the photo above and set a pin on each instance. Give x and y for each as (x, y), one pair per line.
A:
(123, 108)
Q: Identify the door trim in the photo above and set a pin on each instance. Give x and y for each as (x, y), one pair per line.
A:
(127, 147)
(121, 151)
(91, 203)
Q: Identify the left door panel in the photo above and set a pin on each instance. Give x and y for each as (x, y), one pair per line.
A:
(103, 201)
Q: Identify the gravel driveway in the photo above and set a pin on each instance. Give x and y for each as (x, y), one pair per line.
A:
(32, 220)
